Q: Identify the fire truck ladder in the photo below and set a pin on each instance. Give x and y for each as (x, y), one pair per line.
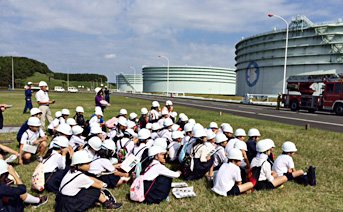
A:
(314, 77)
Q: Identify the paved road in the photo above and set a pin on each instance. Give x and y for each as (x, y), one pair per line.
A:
(320, 120)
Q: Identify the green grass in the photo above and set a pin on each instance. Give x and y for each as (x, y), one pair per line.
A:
(315, 147)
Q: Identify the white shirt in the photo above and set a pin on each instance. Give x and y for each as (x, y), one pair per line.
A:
(166, 134)
(94, 119)
(161, 122)
(129, 145)
(149, 143)
(154, 135)
(219, 156)
(92, 154)
(282, 163)
(159, 169)
(75, 186)
(153, 115)
(185, 139)
(76, 141)
(173, 149)
(100, 165)
(226, 178)
(54, 124)
(29, 136)
(266, 168)
(62, 120)
(138, 150)
(56, 160)
(42, 96)
(201, 151)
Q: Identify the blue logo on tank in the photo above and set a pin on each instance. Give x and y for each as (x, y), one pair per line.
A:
(252, 74)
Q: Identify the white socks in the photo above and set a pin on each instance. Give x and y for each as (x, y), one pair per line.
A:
(31, 199)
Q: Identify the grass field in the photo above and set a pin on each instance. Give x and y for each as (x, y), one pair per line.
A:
(320, 148)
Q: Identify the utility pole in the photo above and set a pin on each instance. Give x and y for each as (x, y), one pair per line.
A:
(12, 74)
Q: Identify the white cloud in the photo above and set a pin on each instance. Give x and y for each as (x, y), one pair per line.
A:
(110, 56)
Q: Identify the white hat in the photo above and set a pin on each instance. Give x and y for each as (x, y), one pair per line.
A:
(132, 115)
(235, 154)
(57, 114)
(184, 118)
(213, 125)
(210, 135)
(79, 109)
(155, 126)
(61, 141)
(81, 157)
(154, 150)
(161, 142)
(148, 126)
(227, 128)
(180, 115)
(191, 121)
(196, 127)
(188, 127)
(271, 142)
(77, 130)
(3, 167)
(155, 104)
(167, 122)
(42, 83)
(164, 112)
(175, 127)
(97, 108)
(168, 102)
(288, 146)
(65, 112)
(109, 144)
(199, 133)
(144, 111)
(99, 113)
(34, 121)
(240, 132)
(173, 114)
(97, 90)
(122, 121)
(177, 134)
(240, 145)
(130, 124)
(143, 134)
(29, 83)
(263, 145)
(95, 142)
(64, 128)
(220, 137)
(129, 132)
(122, 111)
(253, 132)
(71, 121)
(35, 111)
(102, 85)
(96, 129)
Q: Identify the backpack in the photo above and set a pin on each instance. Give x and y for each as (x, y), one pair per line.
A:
(188, 163)
(311, 175)
(254, 173)
(122, 152)
(38, 179)
(111, 122)
(137, 188)
(182, 152)
(86, 129)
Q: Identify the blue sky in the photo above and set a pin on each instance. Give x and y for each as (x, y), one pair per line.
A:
(107, 36)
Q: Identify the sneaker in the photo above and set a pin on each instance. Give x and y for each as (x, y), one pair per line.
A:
(40, 159)
(125, 179)
(111, 205)
(209, 178)
(109, 196)
(42, 201)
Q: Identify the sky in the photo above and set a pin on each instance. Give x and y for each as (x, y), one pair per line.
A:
(109, 36)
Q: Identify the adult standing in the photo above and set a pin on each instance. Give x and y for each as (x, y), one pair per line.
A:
(28, 96)
(99, 99)
(107, 94)
(2, 109)
(43, 101)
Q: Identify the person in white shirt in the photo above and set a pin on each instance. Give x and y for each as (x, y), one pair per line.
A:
(92, 146)
(175, 145)
(228, 180)
(210, 137)
(188, 133)
(77, 191)
(156, 128)
(165, 114)
(77, 141)
(157, 178)
(96, 118)
(165, 133)
(54, 124)
(125, 146)
(267, 179)
(64, 117)
(154, 113)
(32, 141)
(284, 164)
(43, 102)
(220, 156)
(54, 162)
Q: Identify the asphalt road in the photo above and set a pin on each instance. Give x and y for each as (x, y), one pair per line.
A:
(320, 120)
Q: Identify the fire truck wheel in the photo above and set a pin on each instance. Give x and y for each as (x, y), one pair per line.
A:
(339, 109)
(294, 105)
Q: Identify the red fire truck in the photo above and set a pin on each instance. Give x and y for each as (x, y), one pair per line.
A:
(323, 92)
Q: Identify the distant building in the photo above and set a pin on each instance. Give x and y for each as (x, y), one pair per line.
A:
(311, 47)
(129, 82)
(190, 79)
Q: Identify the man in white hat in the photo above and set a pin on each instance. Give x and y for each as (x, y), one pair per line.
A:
(43, 101)
(28, 95)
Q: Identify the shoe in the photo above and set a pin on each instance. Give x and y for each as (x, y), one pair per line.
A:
(40, 159)
(109, 196)
(111, 205)
(42, 201)
(280, 186)
(209, 178)
(125, 179)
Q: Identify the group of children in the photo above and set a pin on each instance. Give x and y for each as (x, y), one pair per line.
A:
(83, 160)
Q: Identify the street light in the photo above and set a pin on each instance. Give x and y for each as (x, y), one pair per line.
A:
(134, 77)
(167, 72)
(285, 65)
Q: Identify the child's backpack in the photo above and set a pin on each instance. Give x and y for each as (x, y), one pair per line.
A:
(86, 129)
(188, 163)
(37, 179)
(111, 122)
(122, 152)
(254, 173)
(311, 175)
(182, 153)
(137, 188)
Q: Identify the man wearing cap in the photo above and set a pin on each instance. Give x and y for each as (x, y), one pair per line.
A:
(28, 94)
(43, 101)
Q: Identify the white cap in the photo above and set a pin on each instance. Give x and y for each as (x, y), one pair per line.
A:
(3, 167)
(154, 150)
(29, 83)
(213, 125)
(175, 127)
(122, 111)
(180, 115)
(199, 133)
(271, 142)
(161, 142)
(240, 145)
(144, 111)
(288, 146)
(102, 85)
(109, 144)
(168, 102)
(65, 129)
(96, 129)
(148, 126)
(61, 141)
(253, 132)
(173, 114)
(235, 154)
(122, 121)
(97, 108)
(77, 130)
(240, 132)
(196, 127)
(155, 104)
(164, 112)
(81, 157)
(65, 112)
(99, 113)
(263, 145)
(143, 134)
(184, 118)
(79, 109)
(227, 128)
(132, 115)
(191, 121)
(42, 83)
(57, 114)
(71, 121)
(34, 121)
(95, 142)
(188, 127)
(177, 134)
(35, 111)
(210, 134)
(97, 90)
(220, 137)
(129, 132)
(155, 126)
(167, 122)
(130, 124)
